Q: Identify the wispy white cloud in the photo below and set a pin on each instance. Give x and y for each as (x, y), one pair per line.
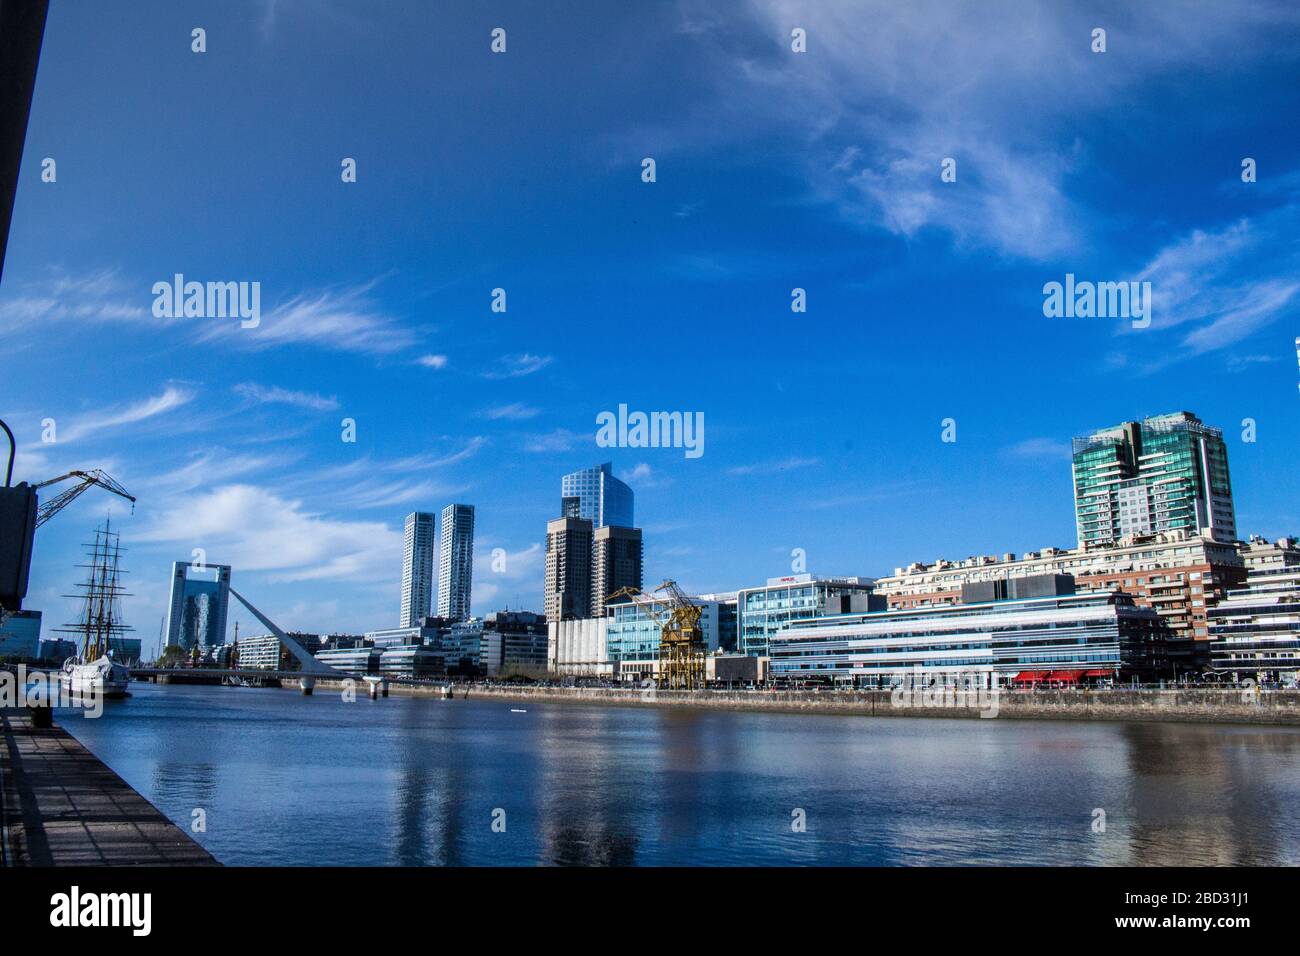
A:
(773, 467)
(1222, 285)
(432, 361)
(1241, 363)
(214, 467)
(644, 477)
(1039, 449)
(341, 320)
(888, 90)
(274, 395)
(345, 319)
(559, 440)
(879, 492)
(366, 467)
(499, 572)
(517, 366)
(515, 412)
(96, 423)
(98, 297)
(372, 493)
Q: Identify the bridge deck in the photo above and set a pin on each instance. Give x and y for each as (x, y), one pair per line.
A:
(249, 672)
(64, 807)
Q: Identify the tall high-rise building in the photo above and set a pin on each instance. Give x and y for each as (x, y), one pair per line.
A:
(595, 495)
(456, 562)
(200, 600)
(417, 569)
(568, 569)
(1167, 473)
(615, 563)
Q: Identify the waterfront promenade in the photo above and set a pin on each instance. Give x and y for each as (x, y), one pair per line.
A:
(65, 807)
(1230, 705)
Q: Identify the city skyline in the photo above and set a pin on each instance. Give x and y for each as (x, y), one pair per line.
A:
(454, 532)
(924, 298)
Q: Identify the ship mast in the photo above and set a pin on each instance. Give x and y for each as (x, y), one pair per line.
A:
(101, 618)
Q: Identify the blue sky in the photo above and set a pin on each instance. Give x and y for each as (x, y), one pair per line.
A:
(522, 171)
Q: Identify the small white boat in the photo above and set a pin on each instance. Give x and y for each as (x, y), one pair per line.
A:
(102, 677)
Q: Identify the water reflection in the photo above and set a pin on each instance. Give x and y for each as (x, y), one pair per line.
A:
(1202, 796)
(294, 780)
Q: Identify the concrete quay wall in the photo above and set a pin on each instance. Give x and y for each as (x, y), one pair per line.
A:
(1203, 705)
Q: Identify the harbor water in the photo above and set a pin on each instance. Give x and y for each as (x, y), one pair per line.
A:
(262, 776)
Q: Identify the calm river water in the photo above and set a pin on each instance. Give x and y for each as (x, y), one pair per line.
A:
(292, 780)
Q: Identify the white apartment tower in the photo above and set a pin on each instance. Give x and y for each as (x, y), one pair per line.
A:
(417, 569)
(456, 562)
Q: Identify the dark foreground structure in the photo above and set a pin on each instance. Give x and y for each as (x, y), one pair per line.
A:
(63, 807)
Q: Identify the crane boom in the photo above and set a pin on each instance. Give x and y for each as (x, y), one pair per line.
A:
(87, 479)
(646, 601)
(681, 640)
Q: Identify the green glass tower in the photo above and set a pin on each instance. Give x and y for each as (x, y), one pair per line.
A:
(1167, 473)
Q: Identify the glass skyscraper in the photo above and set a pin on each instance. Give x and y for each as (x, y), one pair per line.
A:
(1167, 473)
(456, 562)
(595, 495)
(200, 600)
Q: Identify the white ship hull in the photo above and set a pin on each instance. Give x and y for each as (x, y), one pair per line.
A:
(104, 677)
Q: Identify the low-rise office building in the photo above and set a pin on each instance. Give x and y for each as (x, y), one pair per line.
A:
(265, 652)
(762, 611)
(513, 641)
(1255, 630)
(728, 624)
(411, 661)
(353, 660)
(1057, 639)
(460, 646)
(1178, 574)
(342, 640)
(58, 650)
(426, 632)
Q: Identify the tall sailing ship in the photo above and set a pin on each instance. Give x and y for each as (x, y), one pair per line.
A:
(96, 668)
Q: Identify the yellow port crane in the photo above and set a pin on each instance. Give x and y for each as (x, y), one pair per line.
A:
(681, 641)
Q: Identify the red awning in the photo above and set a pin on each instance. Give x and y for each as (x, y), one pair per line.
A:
(1098, 673)
(1067, 677)
(1029, 676)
